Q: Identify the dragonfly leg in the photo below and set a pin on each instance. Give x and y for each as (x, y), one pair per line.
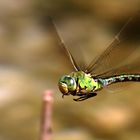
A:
(85, 96)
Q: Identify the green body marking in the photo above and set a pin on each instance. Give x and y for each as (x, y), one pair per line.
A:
(85, 81)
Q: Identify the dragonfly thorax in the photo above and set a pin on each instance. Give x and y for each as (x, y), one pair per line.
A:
(67, 84)
(77, 82)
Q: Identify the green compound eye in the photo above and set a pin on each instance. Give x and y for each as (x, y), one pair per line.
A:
(67, 84)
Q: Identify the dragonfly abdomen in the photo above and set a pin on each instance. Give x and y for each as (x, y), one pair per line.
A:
(120, 78)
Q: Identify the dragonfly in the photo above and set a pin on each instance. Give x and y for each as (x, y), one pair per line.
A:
(106, 69)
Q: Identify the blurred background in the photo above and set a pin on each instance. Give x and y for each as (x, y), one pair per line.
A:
(31, 61)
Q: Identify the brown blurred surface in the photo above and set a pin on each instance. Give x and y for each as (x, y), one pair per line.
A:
(30, 63)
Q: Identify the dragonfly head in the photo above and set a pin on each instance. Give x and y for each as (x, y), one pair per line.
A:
(67, 84)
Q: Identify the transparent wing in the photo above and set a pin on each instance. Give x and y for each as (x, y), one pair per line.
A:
(132, 68)
(54, 32)
(57, 59)
(123, 45)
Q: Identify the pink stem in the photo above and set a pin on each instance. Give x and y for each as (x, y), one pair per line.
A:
(46, 130)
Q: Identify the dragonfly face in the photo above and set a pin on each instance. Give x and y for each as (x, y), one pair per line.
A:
(67, 84)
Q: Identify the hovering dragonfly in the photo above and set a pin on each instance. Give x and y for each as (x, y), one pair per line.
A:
(103, 71)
